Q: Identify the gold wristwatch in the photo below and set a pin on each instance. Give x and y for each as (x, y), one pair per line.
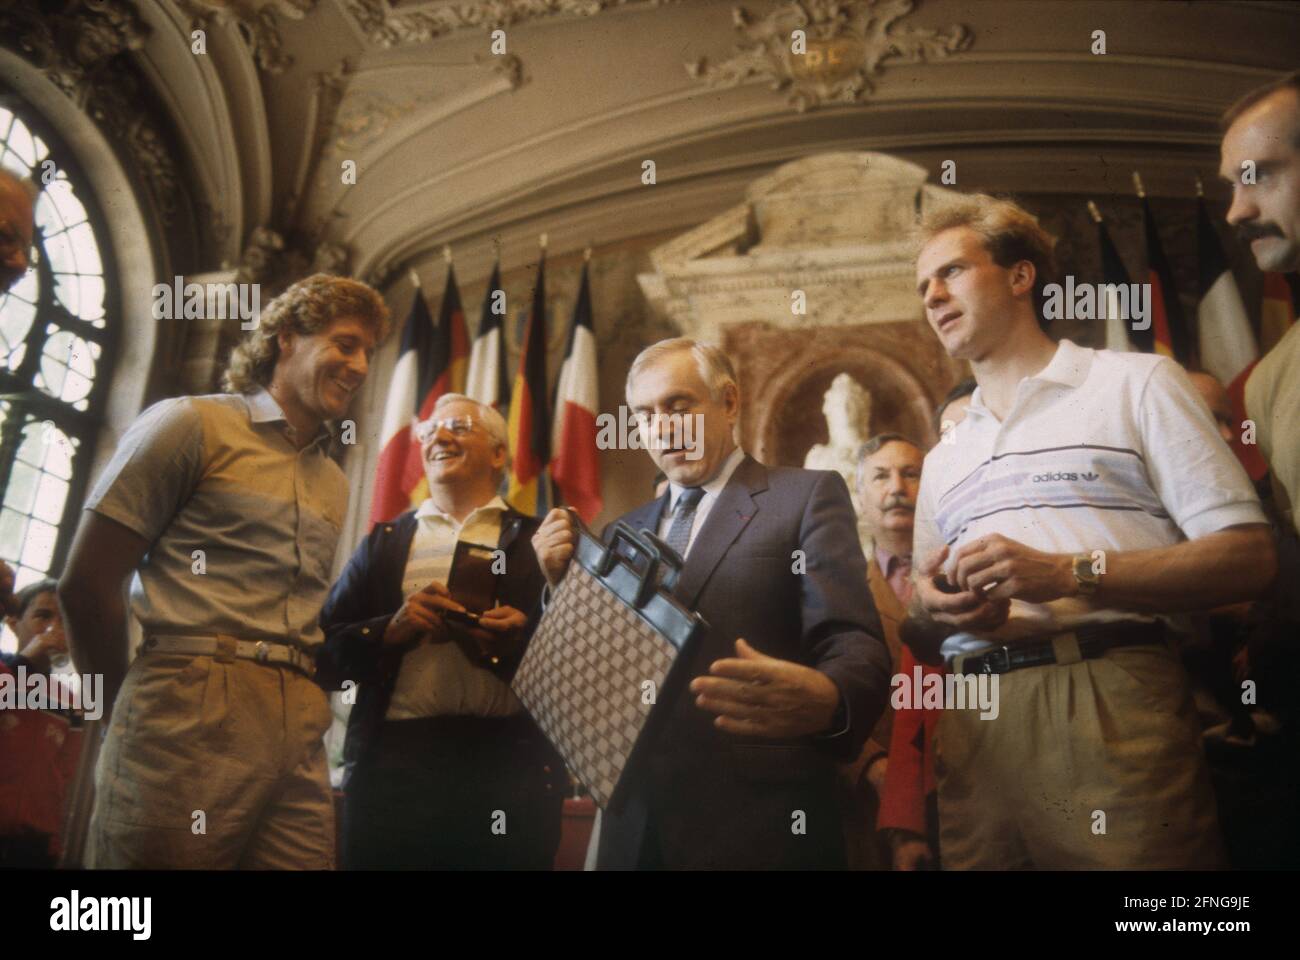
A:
(1084, 576)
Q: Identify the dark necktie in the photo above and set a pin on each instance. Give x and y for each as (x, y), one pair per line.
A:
(679, 534)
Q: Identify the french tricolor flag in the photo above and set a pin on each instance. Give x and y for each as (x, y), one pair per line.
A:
(576, 467)
(431, 362)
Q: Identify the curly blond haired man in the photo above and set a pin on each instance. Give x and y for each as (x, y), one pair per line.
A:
(225, 512)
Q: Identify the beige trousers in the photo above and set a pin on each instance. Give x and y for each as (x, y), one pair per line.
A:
(1090, 764)
(213, 764)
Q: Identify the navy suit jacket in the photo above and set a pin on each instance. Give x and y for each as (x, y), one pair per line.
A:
(709, 799)
(369, 593)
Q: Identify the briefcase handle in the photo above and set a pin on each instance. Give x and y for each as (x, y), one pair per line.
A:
(647, 545)
(669, 561)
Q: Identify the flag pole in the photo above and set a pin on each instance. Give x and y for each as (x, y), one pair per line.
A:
(415, 278)
(1096, 214)
(1137, 185)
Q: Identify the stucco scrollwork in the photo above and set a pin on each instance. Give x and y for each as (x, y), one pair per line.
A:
(842, 46)
(258, 22)
(386, 27)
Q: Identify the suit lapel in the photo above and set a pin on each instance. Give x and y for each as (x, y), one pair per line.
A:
(730, 515)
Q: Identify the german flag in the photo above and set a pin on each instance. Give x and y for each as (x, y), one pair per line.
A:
(529, 424)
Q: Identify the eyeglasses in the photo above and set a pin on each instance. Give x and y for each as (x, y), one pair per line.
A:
(457, 426)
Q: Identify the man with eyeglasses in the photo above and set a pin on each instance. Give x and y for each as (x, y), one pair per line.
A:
(444, 769)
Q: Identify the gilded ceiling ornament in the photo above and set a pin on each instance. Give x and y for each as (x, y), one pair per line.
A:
(387, 27)
(843, 44)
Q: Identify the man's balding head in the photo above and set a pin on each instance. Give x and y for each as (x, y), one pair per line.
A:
(16, 229)
(1261, 160)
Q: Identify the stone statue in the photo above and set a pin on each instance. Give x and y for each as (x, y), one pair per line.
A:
(847, 408)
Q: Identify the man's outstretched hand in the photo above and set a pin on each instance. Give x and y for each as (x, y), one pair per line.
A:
(755, 695)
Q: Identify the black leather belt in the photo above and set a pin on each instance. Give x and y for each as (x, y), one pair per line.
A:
(1094, 640)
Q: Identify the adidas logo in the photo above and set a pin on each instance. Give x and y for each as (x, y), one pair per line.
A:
(1049, 477)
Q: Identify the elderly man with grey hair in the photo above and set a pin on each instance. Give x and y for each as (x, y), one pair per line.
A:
(443, 768)
(792, 673)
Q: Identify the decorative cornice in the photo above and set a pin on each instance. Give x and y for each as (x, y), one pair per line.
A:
(257, 21)
(386, 27)
(846, 41)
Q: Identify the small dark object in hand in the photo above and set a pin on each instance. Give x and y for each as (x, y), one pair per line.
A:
(941, 583)
(462, 616)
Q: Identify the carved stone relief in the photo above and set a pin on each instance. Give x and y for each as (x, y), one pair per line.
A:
(387, 27)
(824, 288)
(257, 22)
(80, 48)
(843, 45)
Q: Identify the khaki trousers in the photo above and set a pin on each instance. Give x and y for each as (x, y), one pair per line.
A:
(1090, 764)
(213, 764)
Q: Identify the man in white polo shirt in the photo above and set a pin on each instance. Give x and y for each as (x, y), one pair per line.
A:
(1084, 502)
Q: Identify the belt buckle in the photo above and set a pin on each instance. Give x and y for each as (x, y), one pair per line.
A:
(262, 652)
(1006, 660)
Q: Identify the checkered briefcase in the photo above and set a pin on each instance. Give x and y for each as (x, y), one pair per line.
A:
(611, 628)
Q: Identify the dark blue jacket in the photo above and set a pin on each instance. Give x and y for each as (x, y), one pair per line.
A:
(718, 801)
(369, 594)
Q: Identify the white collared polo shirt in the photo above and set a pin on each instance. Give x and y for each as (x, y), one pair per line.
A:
(1100, 451)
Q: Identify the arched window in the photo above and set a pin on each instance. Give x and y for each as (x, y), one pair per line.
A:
(56, 338)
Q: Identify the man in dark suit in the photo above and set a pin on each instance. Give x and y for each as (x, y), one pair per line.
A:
(792, 673)
(444, 770)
